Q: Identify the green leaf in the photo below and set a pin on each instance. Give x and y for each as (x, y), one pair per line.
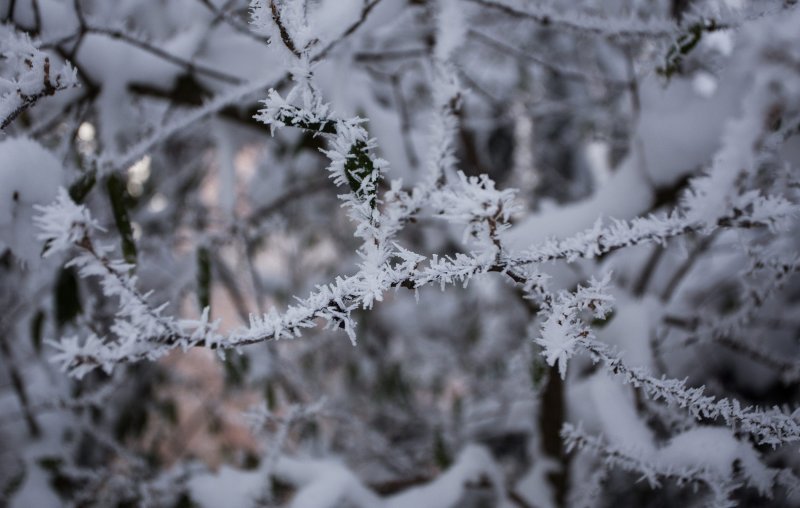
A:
(132, 422)
(51, 464)
(67, 296)
(441, 453)
(81, 187)
(457, 408)
(598, 323)
(169, 410)
(37, 329)
(291, 116)
(270, 396)
(391, 385)
(184, 501)
(684, 45)
(203, 278)
(251, 461)
(61, 483)
(359, 165)
(236, 368)
(538, 371)
(118, 196)
(280, 489)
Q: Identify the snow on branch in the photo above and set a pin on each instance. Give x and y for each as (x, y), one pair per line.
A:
(323, 484)
(679, 462)
(475, 201)
(290, 20)
(37, 75)
(731, 182)
(64, 223)
(385, 265)
(590, 243)
(144, 332)
(771, 427)
(656, 228)
(139, 330)
(758, 285)
(565, 333)
(564, 326)
(352, 162)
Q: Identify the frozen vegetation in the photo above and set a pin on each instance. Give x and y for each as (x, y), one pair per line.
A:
(399, 253)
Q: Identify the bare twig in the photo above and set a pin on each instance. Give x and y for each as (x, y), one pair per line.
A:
(190, 66)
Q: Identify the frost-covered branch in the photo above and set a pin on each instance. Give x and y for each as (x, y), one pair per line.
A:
(772, 427)
(651, 468)
(37, 75)
(139, 330)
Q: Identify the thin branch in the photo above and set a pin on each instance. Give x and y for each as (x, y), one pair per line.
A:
(584, 24)
(285, 36)
(18, 383)
(643, 281)
(190, 66)
(389, 54)
(687, 266)
(559, 69)
(219, 102)
(49, 86)
(405, 121)
(10, 10)
(365, 11)
(233, 22)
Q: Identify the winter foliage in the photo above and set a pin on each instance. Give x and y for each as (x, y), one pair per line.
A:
(559, 240)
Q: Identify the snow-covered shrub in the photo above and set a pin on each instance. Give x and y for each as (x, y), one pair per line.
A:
(399, 253)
